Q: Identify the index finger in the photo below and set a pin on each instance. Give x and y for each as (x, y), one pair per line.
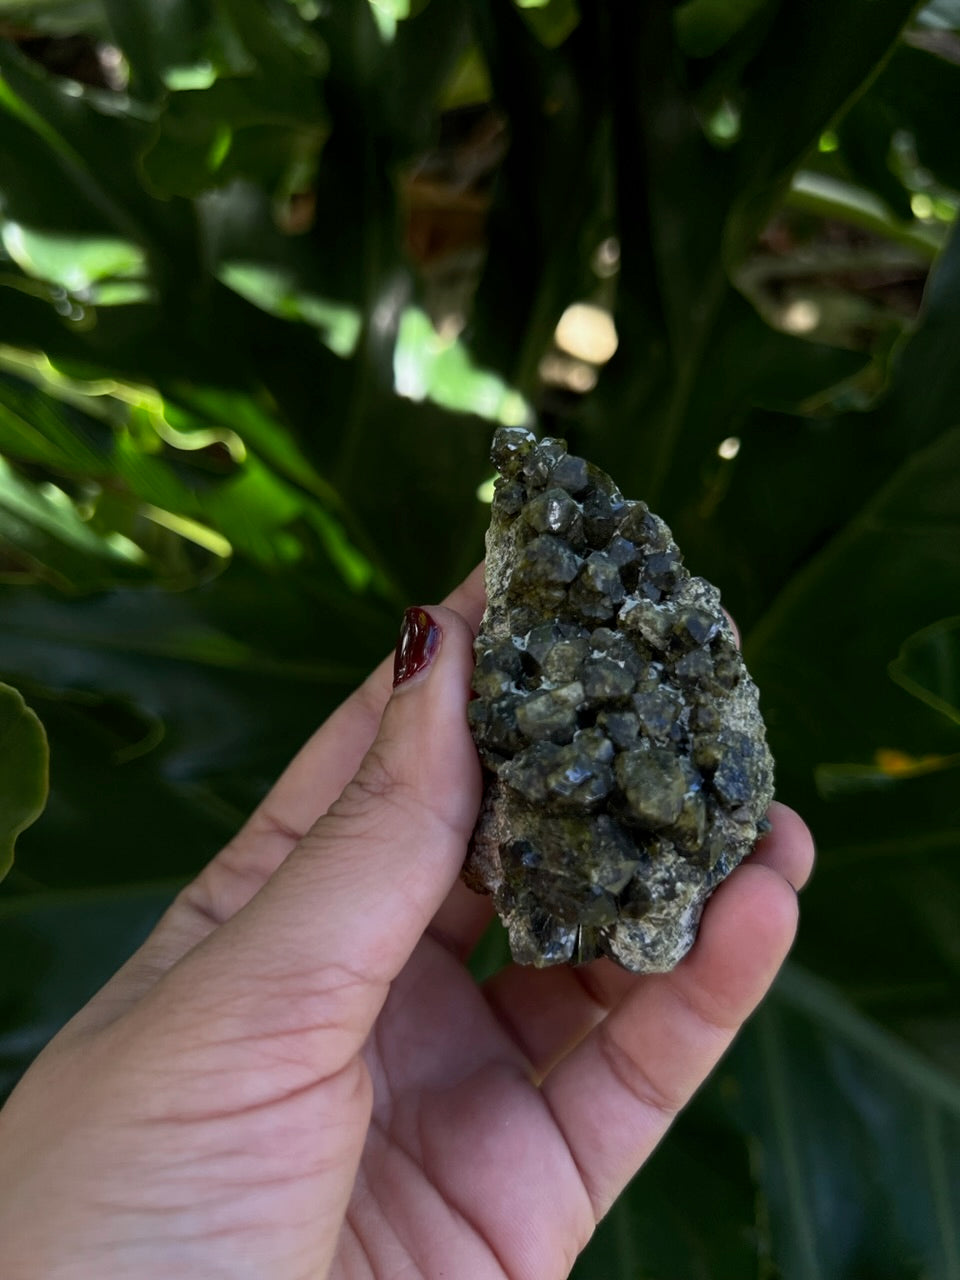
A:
(328, 760)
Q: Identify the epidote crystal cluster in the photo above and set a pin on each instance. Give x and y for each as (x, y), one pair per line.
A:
(626, 763)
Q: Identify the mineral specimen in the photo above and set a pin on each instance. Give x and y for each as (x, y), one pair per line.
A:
(627, 771)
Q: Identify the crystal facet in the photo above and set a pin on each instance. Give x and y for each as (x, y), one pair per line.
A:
(627, 771)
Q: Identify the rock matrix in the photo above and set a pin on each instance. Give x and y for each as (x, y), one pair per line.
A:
(627, 771)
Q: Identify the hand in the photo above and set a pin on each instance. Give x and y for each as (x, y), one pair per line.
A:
(297, 1077)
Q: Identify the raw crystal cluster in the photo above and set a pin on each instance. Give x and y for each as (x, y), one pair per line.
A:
(626, 764)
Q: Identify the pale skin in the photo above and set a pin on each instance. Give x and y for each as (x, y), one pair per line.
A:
(296, 1076)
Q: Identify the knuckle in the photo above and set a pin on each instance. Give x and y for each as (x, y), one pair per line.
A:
(630, 1074)
(378, 782)
(316, 1002)
(710, 1015)
(378, 776)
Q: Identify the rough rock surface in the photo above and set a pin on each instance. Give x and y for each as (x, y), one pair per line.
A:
(626, 764)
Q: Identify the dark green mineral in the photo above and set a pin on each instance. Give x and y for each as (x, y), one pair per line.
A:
(626, 764)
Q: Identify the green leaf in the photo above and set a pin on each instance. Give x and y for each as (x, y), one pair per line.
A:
(162, 43)
(859, 1141)
(928, 666)
(249, 106)
(428, 366)
(866, 141)
(705, 26)
(828, 197)
(277, 290)
(851, 1139)
(905, 536)
(23, 771)
(784, 114)
(551, 21)
(33, 428)
(70, 162)
(546, 217)
(56, 17)
(690, 1214)
(235, 128)
(56, 951)
(53, 543)
(159, 699)
(73, 262)
(820, 656)
(844, 458)
(915, 88)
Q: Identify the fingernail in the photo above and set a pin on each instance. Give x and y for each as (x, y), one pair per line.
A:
(417, 646)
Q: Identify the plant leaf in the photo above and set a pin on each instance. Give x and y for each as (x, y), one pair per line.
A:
(690, 1213)
(859, 1161)
(784, 114)
(23, 771)
(550, 20)
(705, 26)
(159, 699)
(56, 951)
(928, 666)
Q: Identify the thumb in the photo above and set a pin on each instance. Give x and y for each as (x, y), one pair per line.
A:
(342, 914)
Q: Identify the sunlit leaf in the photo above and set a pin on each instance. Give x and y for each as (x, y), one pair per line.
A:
(74, 262)
(431, 366)
(34, 428)
(208, 137)
(273, 289)
(55, 544)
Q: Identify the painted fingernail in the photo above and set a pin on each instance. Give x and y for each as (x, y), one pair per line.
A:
(417, 646)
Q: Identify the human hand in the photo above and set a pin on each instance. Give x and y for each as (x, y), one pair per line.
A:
(296, 1076)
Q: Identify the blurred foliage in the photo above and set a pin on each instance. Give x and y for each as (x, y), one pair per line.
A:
(270, 273)
(23, 771)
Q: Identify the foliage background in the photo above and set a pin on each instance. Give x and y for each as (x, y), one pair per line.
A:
(269, 274)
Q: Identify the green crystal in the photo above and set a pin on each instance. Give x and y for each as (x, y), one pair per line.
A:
(627, 771)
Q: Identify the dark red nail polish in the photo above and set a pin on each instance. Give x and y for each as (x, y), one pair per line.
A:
(418, 643)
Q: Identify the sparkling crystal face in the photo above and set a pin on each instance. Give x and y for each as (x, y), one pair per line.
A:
(626, 763)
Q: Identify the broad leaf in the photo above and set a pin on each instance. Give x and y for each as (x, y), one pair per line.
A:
(785, 112)
(850, 1169)
(928, 666)
(859, 1142)
(691, 1213)
(186, 705)
(55, 951)
(825, 644)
